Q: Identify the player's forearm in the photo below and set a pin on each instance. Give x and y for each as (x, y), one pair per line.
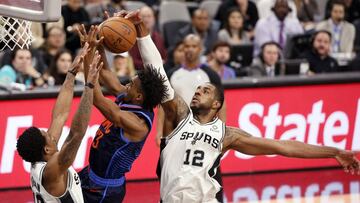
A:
(141, 30)
(82, 115)
(64, 99)
(107, 77)
(302, 150)
(77, 129)
(151, 56)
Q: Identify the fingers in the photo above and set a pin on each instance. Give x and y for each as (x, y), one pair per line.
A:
(106, 15)
(99, 67)
(121, 13)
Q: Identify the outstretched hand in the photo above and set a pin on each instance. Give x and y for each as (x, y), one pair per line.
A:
(133, 16)
(349, 161)
(79, 59)
(90, 37)
(94, 68)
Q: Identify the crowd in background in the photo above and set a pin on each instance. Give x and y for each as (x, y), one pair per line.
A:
(239, 38)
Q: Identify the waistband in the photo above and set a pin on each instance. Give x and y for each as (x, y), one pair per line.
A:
(106, 182)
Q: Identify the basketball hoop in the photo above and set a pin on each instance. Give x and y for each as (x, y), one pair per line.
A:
(14, 33)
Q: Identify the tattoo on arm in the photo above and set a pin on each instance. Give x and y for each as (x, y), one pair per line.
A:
(77, 130)
(182, 108)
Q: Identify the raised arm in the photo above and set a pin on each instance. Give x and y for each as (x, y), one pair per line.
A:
(174, 106)
(242, 141)
(55, 171)
(107, 77)
(63, 102)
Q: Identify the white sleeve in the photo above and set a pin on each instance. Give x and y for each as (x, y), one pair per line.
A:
(151, 56)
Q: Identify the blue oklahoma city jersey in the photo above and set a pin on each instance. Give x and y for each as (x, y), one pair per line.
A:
(111, 153)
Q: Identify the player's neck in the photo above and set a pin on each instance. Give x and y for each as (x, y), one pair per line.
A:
(204, 116)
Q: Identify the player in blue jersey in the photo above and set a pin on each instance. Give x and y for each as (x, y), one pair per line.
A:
(128, 121)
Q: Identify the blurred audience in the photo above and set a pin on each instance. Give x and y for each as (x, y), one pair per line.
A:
(74, 14)
(59, 67)
(201, 26)
(233, 31)
(319, 57)
(149, 20)
(176, 57)
(21, 70)
(277, 26)
(247, 8)
(55, 41)
(352, 9)
(268, 61)
(306, 12)
(114, 6)
(123, 66)
(220, 55)
(192, 73)
(343, 32)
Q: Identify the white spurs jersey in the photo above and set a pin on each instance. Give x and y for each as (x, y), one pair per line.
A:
(73, 191)
(190, 160)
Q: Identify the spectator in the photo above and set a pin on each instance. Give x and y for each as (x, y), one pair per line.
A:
(220, 55)
(233, 32)
(74, 14)
(177, 57)
(265, 8)
(123, 66)
(267, 63)
(55, 41)
(114, 6)
(248, 10)
(200, 25)
(306, 11)
(36, 60)
(38, 31)
(21, 70)
(352, 9)
(277, 26)
(58, 68)
(343, 33)
(148, 17)
(319, 57)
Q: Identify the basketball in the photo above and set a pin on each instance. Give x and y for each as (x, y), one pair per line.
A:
(119, 34)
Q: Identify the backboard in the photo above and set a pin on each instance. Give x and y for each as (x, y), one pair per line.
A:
(32, 10)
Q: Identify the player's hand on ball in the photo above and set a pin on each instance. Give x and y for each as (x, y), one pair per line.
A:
(134, 17)
(95, 68)
(79, 59)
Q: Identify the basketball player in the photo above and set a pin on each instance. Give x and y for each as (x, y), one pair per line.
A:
(197, 139)
(121, 136)
(52, 177)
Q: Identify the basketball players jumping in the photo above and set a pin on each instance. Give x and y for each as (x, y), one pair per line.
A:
(197, 139)
(120, 138)
(52, 177)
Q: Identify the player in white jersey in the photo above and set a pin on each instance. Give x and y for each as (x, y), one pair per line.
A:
(52, 177)
(197, 139)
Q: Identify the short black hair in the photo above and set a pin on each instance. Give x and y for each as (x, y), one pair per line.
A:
(15, 51)
(153, 86)
(219, 94)
(337, 2)
(219, 44)
(30, 145)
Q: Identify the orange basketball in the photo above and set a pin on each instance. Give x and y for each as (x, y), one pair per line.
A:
(119, 34)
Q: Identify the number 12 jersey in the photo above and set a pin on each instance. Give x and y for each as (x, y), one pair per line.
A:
(190, 160)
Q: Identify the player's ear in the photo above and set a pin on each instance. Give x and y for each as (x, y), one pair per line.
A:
(216, 104)
(139, 97)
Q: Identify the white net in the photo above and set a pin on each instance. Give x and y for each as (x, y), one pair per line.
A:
(15, 33)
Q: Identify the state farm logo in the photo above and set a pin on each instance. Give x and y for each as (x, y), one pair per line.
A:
(335, 126)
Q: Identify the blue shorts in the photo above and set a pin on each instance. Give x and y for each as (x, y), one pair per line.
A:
(99, 193)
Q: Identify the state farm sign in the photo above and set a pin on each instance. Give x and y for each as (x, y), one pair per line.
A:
(322, 114)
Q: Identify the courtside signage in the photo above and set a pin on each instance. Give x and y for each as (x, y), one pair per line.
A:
(320, 114)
